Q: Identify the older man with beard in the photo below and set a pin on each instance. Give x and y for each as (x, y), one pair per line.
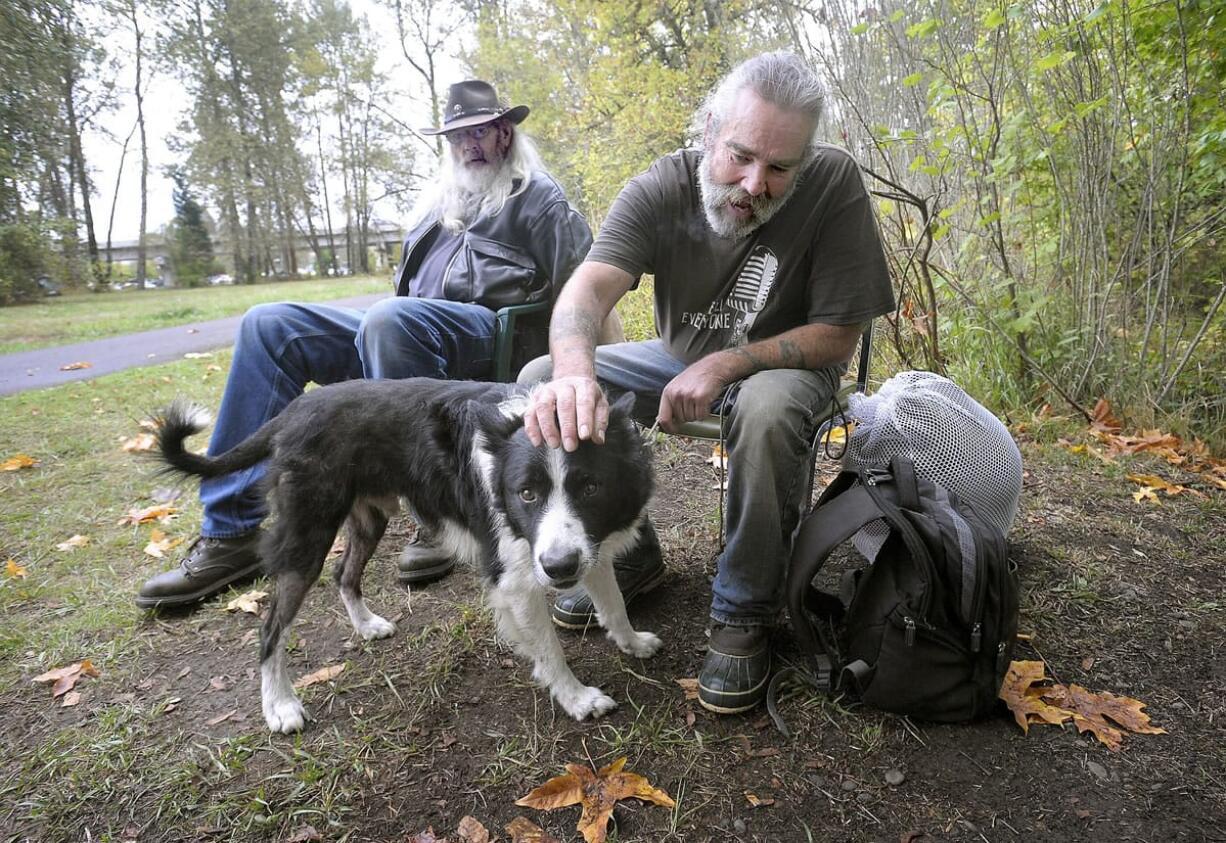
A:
(767, 269)
(492, 229)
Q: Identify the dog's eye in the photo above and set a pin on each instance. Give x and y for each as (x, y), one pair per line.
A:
(527, 496)
(590, 488)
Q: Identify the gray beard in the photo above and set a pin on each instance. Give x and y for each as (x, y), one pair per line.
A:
(467, 194)
(716, 197)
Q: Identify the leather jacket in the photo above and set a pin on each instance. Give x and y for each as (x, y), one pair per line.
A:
(521, 255)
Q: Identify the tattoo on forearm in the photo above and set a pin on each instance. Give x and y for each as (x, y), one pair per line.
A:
(791, 355)
(784, 354)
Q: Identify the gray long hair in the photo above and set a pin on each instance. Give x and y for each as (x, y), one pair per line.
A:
(455, 201)
(781, 78)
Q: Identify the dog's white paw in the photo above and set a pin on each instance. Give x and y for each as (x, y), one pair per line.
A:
(286, 715)
(641, 645)
(376, 627)
(587, 702)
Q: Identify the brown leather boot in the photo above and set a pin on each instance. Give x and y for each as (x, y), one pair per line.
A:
(210, 566)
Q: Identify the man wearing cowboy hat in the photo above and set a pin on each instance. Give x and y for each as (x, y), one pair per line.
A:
(491, 229)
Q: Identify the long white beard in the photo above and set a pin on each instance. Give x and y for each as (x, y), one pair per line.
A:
(466, 193)
(716, 198)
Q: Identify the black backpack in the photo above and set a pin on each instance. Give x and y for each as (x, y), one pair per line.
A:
(929, 625)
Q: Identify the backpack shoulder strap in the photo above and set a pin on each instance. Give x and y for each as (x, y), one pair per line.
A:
(830, 524)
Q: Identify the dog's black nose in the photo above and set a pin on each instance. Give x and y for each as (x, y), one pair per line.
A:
(561, 567)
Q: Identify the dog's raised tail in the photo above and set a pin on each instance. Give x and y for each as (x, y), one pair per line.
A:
(184, 418)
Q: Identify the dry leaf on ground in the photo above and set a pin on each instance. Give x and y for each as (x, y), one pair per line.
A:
(159, 543)
(139, 442)
(471, 830)
(249, 602)
(426, 836)
(324, 674)
(64, 679)
(14, 571)
(524, 830)
(1033, 698)
(157, 512)
(719, 457)
(18, 462)
(73, 543)
(72, 367)
(597, 793)
(689, 686)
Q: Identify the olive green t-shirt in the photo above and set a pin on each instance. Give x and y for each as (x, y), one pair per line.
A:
(819, 259)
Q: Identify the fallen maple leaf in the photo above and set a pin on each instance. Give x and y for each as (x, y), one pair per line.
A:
(303, 834)
(249, 602)
(324, 674)
(159, 543)
(72, 367)
(1035, 699)
(157, 512)
(18, 462)
(139, 442)
(63, 679)
(1095, 712)
(719, 457)
(73, 543)
(1145, 493)
(1101, 417)
(471, 830)
(1157, 483)
(70, 699)
(14, 571)
(523, 830)
(597, 793)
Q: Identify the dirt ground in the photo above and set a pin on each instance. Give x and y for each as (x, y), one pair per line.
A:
(440, 722)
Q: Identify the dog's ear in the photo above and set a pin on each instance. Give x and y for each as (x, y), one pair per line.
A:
(490, 419)
(624, 405)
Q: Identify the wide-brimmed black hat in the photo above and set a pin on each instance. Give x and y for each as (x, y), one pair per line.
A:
(473, 103)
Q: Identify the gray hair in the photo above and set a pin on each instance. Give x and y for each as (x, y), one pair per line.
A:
(781, 78)
(455, 204)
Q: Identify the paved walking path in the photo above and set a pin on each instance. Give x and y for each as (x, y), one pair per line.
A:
(42, 368)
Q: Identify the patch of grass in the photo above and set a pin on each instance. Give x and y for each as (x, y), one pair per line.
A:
(80, 317)
(77, 603)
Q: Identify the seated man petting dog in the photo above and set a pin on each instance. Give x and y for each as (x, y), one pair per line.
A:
(492, 229)
(767, 268)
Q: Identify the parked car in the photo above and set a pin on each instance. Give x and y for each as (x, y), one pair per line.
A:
(46, 286)
(221, 278)
(154, 283)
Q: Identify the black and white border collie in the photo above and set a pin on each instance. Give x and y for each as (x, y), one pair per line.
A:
(527, 518)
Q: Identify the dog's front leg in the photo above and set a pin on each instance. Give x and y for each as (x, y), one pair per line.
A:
(601, 585)
(522, 616)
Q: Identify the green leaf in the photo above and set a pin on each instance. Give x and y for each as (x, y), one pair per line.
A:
(1055, 59)
(924, 27)
(912, 80)
(993, 19)
(886, 206)
(898, 15)
(859, 29)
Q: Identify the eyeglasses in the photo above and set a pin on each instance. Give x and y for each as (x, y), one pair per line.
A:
(476, 133)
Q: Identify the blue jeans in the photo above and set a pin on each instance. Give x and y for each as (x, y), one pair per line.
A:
(772, 418)
(282, 347)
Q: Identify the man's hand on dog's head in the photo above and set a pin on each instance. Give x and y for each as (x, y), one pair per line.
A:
(565, 411)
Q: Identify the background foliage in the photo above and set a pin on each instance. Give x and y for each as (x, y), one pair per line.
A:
(1049, 172)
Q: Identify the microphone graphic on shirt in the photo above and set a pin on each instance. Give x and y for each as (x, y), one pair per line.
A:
(753, 286)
